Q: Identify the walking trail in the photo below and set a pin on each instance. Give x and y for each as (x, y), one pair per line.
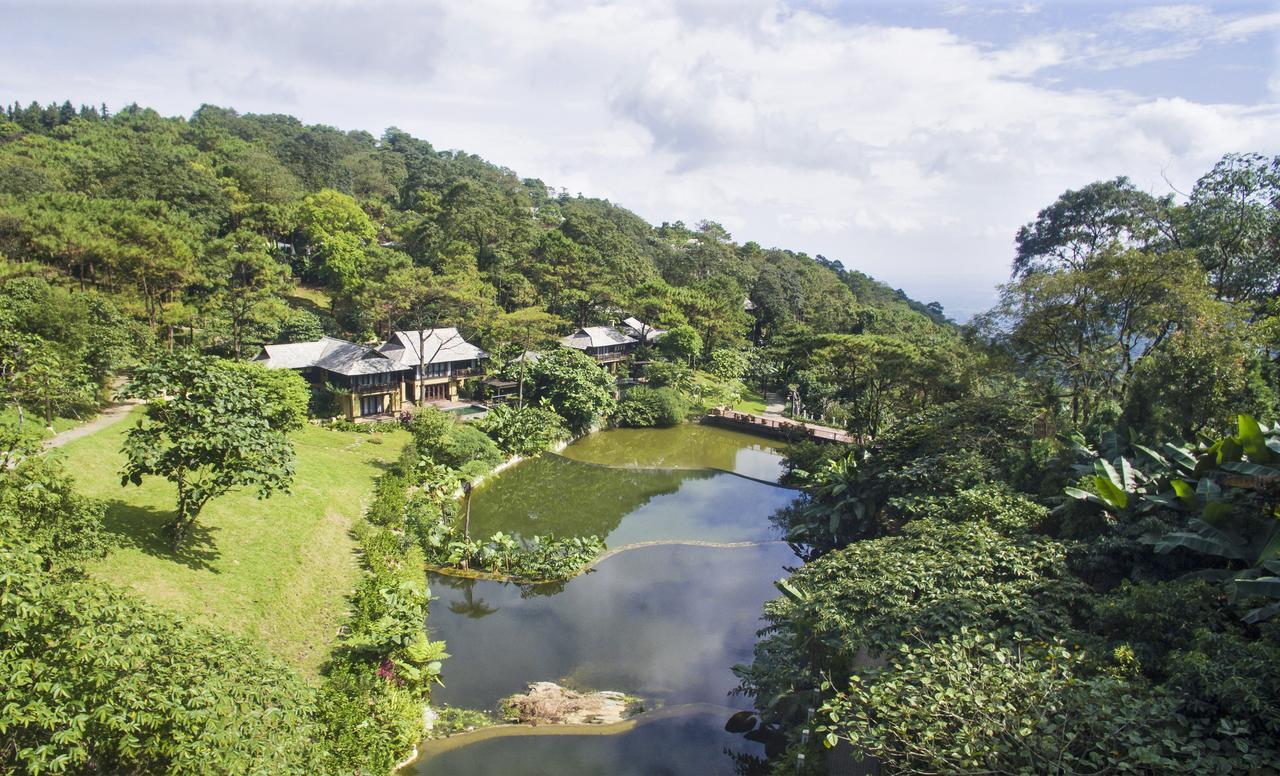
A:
(108, 417)
(773, 404)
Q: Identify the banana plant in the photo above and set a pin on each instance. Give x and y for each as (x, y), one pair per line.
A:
(1230, 490)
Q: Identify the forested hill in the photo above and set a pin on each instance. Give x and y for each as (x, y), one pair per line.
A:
(169, 211)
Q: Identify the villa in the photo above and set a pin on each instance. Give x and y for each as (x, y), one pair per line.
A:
(368, 381)
(379, 381)
(605, 344)
(449, 361)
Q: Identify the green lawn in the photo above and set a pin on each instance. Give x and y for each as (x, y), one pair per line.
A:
(277, 570)
(751, 402)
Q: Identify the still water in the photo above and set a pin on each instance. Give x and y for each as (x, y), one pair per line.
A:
(665, 622)
(687, 742)
(557, 495)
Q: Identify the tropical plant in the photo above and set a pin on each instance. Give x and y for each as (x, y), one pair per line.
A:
(1227, 492)
(644, 406)
(523, 431)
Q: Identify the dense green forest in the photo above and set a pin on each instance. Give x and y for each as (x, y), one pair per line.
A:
(1054, 547)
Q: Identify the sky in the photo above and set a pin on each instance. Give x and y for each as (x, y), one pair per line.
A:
(909, 140)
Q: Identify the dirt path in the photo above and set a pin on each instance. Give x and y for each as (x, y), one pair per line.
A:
(110, 416)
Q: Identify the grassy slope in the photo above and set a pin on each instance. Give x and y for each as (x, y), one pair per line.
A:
(277, 570)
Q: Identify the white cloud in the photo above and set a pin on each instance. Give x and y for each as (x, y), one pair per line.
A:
(1164, 18)
(908, 153)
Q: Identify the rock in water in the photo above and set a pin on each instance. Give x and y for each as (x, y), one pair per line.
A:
(547, 703)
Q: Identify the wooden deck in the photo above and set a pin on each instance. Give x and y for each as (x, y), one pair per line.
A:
(775, 425)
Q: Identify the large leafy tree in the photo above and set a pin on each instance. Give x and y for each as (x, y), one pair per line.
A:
(1082, 223)
(1233, 223)
(338, 236)
(1084, 329)
(207, 429)
(574, 385)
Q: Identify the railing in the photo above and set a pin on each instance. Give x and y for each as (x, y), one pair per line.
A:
(782, 426)
(374, 388)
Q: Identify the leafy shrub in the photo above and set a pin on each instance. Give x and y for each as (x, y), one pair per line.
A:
(440, 438)
(38, 503)
(95, 681)
(728, 364)
(570, 382)
(967, 704)
(994, 504)
(389, 499)
(525, 431)
(934, 579)
(539, 559)
(429, 427)
(370, 723)
(470, 451)
(669, 374)
(644, 406)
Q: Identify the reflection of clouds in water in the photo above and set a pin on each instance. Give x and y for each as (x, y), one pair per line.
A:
(664, 622)
(722, 508)
(693, 743)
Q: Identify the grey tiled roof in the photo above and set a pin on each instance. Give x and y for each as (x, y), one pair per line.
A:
(636, 328)
(596, 337)
(440, 345)
(328, 353)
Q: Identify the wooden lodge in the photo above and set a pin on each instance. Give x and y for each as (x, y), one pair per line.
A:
(378, 382)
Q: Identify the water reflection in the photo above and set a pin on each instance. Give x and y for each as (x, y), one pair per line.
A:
(665, 623)
(556, 495)
(687, 446)
(679, 744)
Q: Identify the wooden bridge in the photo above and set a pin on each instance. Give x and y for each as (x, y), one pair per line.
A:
(776, 426)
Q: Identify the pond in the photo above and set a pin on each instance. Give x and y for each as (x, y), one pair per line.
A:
(691, 741)
(553, 494)
(687, 446)
(664, 621)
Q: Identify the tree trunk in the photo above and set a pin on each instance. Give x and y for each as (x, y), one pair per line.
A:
(520, 389)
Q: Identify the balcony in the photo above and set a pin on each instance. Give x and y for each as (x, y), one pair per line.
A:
(361, 390)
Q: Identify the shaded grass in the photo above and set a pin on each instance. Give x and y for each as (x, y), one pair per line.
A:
(277, 570)
(313, 300)
(750, 401)
(33, 423)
